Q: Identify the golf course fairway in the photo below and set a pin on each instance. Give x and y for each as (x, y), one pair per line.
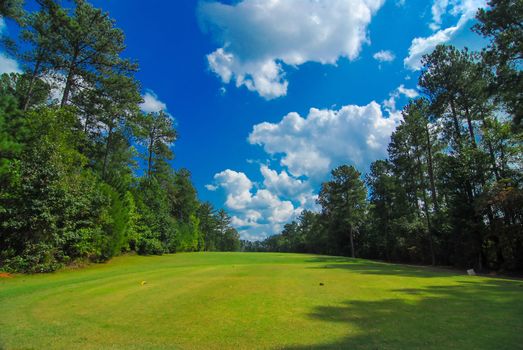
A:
(258, 301)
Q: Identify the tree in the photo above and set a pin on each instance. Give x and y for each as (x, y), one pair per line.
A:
(501, 23)
(411, 153)
(208, 226)
(343, 201)
(11, 126)
(156, 132)
(41, 37)
(383, 194)
(12, 9)
(69, 184)
(17, 85)
(117, 103)
(89, 48)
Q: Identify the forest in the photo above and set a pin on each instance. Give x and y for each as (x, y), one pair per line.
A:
(450, 192)
(85, 174)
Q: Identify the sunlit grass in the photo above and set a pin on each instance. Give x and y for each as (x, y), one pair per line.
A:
(258, 300)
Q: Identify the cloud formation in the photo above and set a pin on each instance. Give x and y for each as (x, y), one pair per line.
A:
(151, 103)
(311, 146)
(257, 37)
(390, 103)
(257, 212)
(308, 148)
(465, 9)
(7, 65)
(384, 56)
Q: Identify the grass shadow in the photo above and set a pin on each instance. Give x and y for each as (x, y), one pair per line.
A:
(475, 315)
(369, 267)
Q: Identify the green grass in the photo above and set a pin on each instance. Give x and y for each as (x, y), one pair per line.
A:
(258, 300)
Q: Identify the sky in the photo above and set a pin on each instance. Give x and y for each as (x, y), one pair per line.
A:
(270, 95)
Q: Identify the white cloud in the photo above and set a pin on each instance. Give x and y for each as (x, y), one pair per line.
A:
(384, 56)
(258, 36)
(422, 46)
(8, 65)
(151, 103)
(390, 103)
(308, 148)
(257, 213)
(439, 8)
(281, 183)
(284, 185)
(465, 9)
(410, 93)
(313, 145)
(237, 186)
(211, 188)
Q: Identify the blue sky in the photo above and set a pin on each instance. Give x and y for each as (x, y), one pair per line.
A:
(270, 95)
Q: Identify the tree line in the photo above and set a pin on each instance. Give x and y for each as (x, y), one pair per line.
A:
(84, 173)
(450, 191)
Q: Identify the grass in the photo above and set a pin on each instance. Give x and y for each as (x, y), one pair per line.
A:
(258, 300)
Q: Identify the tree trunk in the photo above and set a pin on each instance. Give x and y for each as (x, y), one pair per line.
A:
(495, 168)
(150, 159)
(471, 128)
(69, 81)
(431, 170)
(351, 242)
(86, 124)
(106, 155)
(468, 185)
(426, 211)
(457, 130)
(31, 85)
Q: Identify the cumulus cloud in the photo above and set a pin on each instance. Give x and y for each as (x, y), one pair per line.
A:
(410, 93)
(308, 148)
(421, 46)
(257, 212)
(439, 7)
(284, 185)
(281, 183)
(465, 9)
(390, 103)
(258, 37)
(151, 103)
(311, 146)
(211, 187)
(8, 65)
(384, 56)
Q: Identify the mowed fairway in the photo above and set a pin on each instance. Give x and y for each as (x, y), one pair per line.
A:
(258, 301)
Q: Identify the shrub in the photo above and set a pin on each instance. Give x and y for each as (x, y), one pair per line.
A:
(150, 246)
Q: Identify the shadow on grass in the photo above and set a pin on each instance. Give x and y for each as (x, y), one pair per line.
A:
(475, 315)
(377, 268)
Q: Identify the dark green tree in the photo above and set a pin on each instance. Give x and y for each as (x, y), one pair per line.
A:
(156, 132)
(343, 202)
(501, 23)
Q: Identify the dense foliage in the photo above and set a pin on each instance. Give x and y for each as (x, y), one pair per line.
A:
(451, 190)
(84, 174)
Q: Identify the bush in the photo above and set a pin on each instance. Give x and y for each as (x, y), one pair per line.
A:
(35, 258)
(150, 246)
